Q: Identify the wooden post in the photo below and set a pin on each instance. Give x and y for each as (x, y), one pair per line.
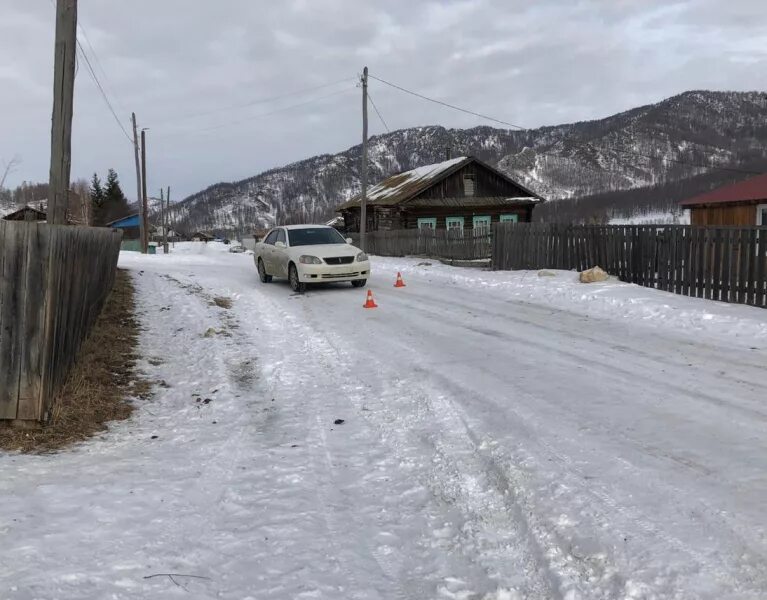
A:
(167, 201)
(364, 168)
(65, 48)
(143, 200)
(138, 184)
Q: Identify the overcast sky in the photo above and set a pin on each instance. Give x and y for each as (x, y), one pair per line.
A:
(194, 73)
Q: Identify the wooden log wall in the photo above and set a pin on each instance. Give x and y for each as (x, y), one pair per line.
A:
(54, 280)
(718, 263)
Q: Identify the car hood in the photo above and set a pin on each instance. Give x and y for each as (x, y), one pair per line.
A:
(326, 250)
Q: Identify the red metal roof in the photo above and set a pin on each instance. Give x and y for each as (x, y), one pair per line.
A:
(751, 189)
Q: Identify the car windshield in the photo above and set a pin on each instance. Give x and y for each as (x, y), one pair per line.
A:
(311, 236)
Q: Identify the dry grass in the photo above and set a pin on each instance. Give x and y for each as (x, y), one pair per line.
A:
(99, 385)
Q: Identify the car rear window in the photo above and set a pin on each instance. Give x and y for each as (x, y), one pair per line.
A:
(311, 236)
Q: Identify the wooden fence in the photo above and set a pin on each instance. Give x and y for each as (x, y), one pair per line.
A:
(433, 243)
(45, 312)
(717, 263)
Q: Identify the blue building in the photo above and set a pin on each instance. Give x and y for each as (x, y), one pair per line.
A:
(131, 233)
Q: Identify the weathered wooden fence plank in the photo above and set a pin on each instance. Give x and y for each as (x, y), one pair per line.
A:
(54, 280)
(718, 263)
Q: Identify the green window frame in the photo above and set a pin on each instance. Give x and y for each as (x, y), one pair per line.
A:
(452, 221)
(479, 221)
(510, 218)
(430, 222)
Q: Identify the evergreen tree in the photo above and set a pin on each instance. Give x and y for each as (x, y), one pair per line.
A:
(96, 191)
(114, 204)
(113, 193)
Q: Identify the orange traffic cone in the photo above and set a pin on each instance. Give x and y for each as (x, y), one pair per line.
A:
(370, 303)
(399, 282)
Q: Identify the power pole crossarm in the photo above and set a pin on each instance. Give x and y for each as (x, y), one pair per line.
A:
(364, 167)
(63, 104)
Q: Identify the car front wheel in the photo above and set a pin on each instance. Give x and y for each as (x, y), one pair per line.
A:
(359, 282)
(295, 284)
(262, 272)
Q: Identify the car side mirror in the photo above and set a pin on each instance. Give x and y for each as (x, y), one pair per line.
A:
(349, 241)
(280, 245)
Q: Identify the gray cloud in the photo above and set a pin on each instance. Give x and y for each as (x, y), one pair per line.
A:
(535, 63)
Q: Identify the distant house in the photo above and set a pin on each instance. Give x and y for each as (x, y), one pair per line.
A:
(458, 194)
(201, 236)
(26, 213)
(742, 203)
(157, 234)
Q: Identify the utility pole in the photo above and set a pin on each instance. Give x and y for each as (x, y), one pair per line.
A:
(167, 200)
(65, 48)
(364, 169)
(145, 234)
(138, 185)
(162, 220)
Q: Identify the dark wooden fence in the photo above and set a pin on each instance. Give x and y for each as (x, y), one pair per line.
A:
(440, 243)
(718, 263)
(54, 280)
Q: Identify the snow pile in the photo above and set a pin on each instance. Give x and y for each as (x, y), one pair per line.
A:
(653, 218)
(611, 299)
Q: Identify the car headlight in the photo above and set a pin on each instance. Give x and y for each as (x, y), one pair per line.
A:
(309, 260)
(362, 257)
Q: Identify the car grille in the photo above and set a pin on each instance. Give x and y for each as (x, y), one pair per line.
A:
(339, 260)
(339, 275)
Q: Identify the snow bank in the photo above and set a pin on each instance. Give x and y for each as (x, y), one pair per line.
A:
(731, 323)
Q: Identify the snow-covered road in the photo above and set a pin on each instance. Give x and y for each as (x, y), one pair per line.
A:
(505, 436)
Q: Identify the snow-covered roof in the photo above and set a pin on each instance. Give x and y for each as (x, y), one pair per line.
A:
(404, 186)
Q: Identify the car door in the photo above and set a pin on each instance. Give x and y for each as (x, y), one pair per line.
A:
(267, 251)
(280, 260)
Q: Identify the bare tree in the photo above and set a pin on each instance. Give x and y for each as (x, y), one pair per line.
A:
(9, 167)
(80, 209)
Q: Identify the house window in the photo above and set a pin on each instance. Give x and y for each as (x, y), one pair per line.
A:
(509, 218)
(427, 223)
(454, 225)
(481, 222)
(468, 184)
(761, 215)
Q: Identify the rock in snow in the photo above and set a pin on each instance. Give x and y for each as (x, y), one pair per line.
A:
(593, 275)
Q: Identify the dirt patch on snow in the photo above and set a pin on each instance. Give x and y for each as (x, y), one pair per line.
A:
(101, 384)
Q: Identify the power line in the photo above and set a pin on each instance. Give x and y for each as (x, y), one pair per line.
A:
(435, 101)
(253, 117)
(625, 152)
(261, 100)
(95, 79)
(92, 73)
(682, 162)
(378, 113)
(100, 66)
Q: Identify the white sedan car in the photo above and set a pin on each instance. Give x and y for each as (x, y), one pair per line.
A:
(310, 254)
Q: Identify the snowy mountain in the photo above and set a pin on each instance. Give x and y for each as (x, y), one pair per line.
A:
(652, 145)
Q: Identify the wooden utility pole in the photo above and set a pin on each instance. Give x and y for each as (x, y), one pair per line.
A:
(138, 184)
(364, 169)
(162, 221)
(167, 200)
(65, 50)
(144, 207)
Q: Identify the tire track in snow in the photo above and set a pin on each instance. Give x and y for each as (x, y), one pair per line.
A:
(540, 582)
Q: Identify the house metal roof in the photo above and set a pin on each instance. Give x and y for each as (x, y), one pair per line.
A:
(403, 186)
(127, 221)
(750, 190)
